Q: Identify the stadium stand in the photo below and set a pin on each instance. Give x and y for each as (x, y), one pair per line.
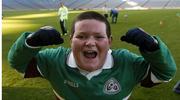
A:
(88, 4)
(114, 4)
(173, 4)
(99, 5)
(78, 3)
(156, 4)
(94, 4)
(127, 4)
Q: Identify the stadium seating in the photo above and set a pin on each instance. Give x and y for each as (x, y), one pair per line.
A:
(87, 4)
(94, 4)
(78, 3)
(156, 3)
(173, 4)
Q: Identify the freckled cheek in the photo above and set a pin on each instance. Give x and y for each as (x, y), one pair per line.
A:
(76, 45)
(104, 44)
(103, 48)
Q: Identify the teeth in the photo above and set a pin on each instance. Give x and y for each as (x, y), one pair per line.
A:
(90, 54)
(90, 51)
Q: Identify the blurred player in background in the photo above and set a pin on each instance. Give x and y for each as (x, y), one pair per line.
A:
(63, 16)
(114, 15)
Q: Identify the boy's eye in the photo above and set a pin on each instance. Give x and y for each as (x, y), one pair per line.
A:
(80, 37)
(99, 37)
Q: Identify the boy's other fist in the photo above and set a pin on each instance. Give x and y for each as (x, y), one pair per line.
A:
(140, 38)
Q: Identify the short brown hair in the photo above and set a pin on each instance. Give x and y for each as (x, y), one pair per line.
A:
(91, 15)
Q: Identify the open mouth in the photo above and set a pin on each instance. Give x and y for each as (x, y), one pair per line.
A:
(90, 54)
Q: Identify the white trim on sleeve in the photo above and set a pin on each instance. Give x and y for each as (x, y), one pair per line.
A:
(146, 72)
(31, 46)
(154, 79)
(39, 71)
(57, 95)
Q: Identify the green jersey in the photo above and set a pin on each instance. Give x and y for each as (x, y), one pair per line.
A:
(114, 83)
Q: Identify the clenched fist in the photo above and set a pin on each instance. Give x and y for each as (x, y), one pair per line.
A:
(140, 38)
(46, 35)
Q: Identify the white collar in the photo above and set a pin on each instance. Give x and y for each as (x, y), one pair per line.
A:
(107, 65)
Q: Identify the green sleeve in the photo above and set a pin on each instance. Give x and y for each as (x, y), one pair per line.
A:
(19, 54)
(161, 61)
(52, 61)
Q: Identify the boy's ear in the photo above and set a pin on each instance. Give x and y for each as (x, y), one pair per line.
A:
(110, 40)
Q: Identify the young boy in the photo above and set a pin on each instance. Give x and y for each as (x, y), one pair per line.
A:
(90, 69)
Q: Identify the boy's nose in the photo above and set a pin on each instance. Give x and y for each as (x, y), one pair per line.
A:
(90, 42)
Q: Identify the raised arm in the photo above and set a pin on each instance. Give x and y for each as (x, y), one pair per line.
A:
(23, 52)
(155, 52)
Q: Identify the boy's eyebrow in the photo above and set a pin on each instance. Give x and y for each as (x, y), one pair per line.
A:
(81, 33)
(96, 33)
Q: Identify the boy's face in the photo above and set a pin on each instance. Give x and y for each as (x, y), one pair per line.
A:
(90, 44)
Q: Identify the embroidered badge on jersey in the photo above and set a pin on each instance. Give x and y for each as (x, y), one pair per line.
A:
(112, 86)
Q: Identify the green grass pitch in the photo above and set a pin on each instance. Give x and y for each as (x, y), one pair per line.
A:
(164, 23)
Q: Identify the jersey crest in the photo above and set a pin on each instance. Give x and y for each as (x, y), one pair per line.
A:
(112, 86)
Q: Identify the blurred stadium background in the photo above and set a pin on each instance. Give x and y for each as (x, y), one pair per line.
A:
(158, 17)
(89, 4)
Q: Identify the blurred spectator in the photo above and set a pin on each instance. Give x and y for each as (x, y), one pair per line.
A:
(63, 16)
(114, 15)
